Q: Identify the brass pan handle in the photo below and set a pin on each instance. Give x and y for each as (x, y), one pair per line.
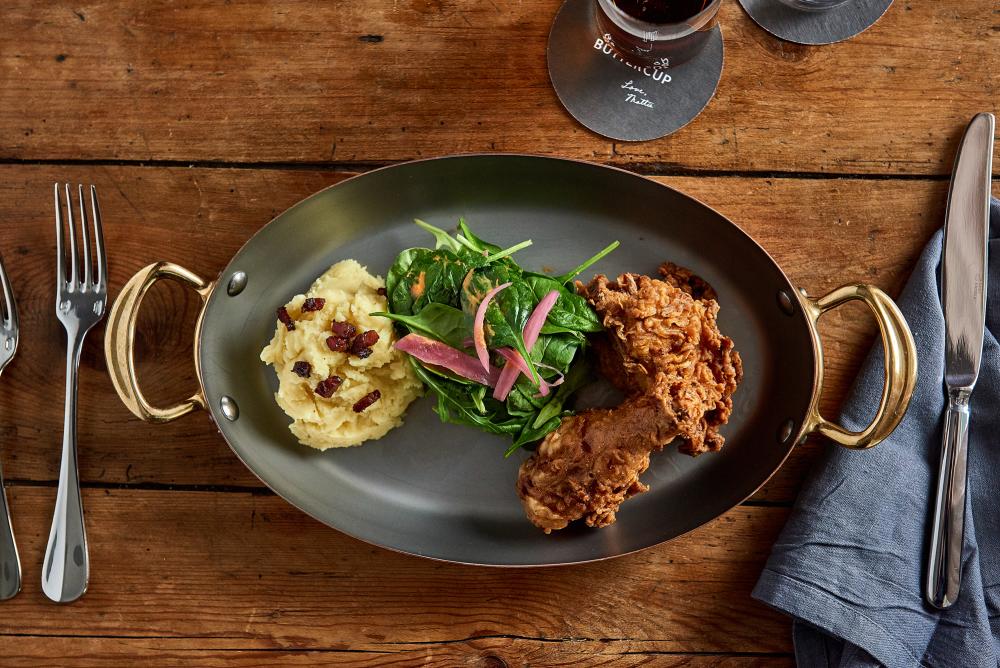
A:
(900, 365)
(119, 340)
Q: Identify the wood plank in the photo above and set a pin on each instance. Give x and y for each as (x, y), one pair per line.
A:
(251, 572)
(823, 232)
(50, 652)
(373, 82)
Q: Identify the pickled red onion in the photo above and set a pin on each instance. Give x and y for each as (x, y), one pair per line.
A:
(532, 328)
(517, 363)
(434, 352)
(478, 334)
(536, 320)
(548, 385)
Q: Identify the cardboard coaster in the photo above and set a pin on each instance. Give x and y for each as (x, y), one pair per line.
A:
(815, 27)
(618, 99)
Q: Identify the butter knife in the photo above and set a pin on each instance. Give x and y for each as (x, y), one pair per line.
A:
(963, 299)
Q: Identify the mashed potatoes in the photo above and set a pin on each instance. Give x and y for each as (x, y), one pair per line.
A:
(350, 294)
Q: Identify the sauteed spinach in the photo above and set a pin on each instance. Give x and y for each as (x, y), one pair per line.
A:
(437, 292)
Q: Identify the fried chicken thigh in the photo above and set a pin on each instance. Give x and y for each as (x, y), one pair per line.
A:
(663, 349)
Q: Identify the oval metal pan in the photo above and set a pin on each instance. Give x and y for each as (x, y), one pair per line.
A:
(445, 491)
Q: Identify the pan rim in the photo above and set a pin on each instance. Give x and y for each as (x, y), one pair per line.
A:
(792, 441)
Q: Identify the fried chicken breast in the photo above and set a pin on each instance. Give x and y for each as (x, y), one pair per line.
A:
(663, 349)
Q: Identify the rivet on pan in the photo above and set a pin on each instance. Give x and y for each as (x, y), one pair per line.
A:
(237, 283)
(785, 432)
(229, 408)
(785, 302)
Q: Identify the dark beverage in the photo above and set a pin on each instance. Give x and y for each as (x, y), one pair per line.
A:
(656, 33)
(661, 11)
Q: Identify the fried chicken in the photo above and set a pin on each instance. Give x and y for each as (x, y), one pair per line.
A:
(661, 337)
(663, 349)
(592, 462)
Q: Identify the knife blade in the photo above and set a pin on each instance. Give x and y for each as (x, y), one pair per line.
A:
(963, 300)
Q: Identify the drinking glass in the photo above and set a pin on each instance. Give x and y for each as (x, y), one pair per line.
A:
(661, 33)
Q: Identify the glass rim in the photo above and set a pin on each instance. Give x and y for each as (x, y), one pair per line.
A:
(641, 28)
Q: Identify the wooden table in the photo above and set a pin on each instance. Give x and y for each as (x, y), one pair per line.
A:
(198, 121)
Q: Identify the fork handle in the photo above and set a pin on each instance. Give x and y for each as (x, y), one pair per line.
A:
(66, 568)
(10, 563)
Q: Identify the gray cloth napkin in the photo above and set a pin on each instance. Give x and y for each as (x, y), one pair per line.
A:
(849, 563)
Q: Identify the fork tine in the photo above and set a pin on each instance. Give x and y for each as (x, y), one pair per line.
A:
(102, 265)
(60, 252)
(7, 307)
(84, 238)
(73, 274)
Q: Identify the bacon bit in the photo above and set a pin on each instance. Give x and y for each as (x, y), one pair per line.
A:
(338, 344)
(327, 387)
(364, 352)
(285, 319)
(344, 329)
(313, 303)
(302, 369)
(367, 400)
(364, 340)
(381, 292)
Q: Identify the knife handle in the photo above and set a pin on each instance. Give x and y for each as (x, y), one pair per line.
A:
(944, 564)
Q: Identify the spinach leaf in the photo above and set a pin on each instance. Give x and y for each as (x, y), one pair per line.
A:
(555, 350)
(549, 328)
(476, 242)
(570, 275)
(444, 272)
(431, 276)
(454, 405)
(523, 399)
(506, 314)
(442, 238)
(400, 267)
(401, 277)
(471, 249)
(571, 311)
(476, 396)
(438, 321)
(516, 304)
(551, 414)
(476, 259)
(473, 258)
(530, 434)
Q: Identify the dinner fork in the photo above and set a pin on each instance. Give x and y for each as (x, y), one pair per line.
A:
(10, 564)
(81, 298)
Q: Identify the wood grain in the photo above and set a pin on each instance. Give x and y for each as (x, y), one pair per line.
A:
(194, 562)
(47, 652)
(337, 82)
(250, 572)
(822, 232)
